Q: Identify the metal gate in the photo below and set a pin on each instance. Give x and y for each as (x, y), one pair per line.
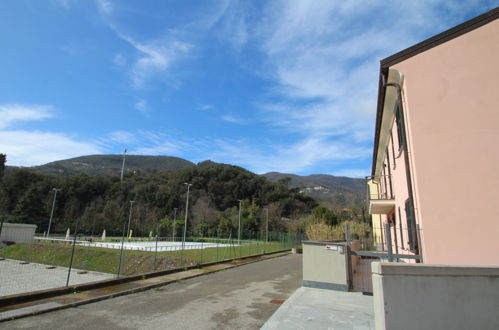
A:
(362, 274)
(359, 263)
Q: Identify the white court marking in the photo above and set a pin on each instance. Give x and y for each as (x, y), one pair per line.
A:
(145, 246)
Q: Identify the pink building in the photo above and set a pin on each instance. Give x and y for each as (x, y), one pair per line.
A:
(435, 174)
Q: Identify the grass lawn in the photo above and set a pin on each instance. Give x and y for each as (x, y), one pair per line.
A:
(134, 262)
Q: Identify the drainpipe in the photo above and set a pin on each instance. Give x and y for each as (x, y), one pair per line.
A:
(406, 159)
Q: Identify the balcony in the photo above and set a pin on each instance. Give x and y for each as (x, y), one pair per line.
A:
(380, 195)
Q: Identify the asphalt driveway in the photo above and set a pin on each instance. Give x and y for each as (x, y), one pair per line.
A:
(239, 298)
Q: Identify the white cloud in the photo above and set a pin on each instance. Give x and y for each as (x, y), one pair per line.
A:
(11, 113)
(27, 148)
(120, 137)
(234, 25)
(105, 7)
(323, 59)
(231, 119)
(165, 148)
(153, 57)
(66, 4)
(205, 107)
(141, 105)
(119, 60)
(352, 173)
(294, 158)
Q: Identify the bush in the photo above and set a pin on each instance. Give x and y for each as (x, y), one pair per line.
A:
(322, 232)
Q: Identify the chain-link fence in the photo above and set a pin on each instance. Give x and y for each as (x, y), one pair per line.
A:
(73, 259)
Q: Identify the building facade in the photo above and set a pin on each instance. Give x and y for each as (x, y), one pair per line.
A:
(436, 151)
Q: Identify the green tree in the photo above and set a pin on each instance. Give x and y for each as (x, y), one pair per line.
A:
(3, 160)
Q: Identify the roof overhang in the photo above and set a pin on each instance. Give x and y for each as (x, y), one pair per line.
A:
(385, 118)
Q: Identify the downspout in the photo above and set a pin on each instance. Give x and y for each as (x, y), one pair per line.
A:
(406, 159)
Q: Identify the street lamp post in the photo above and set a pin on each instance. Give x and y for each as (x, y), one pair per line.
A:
(239, 227)
(267, 225)
(52, 212)
(129, 219)
(123, 165)
(185, 220)
(174, 224)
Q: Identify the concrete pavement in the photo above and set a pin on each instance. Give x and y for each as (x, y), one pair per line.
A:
(18, 277)
(310, 308)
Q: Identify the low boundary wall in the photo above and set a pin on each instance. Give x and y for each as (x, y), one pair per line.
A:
(422, 296)
(325, 265)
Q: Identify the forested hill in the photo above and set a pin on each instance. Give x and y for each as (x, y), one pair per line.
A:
(111, 164)
(101, 202)
(332, 191)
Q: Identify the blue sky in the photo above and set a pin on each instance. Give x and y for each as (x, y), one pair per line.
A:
(285, 86)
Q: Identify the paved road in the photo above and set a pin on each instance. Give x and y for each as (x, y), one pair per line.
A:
(238, 298)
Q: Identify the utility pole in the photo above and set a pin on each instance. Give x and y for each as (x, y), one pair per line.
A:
(52, 212)
(123, 165)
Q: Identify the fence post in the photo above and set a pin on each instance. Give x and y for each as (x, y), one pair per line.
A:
(347, 233)
(202, 246)
(420, 247)
(72, 254)
(389, 242)
(155, 252)
(348, 256)
(121, 251)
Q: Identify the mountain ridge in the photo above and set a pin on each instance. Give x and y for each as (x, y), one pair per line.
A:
(329, 190)
(111, 164)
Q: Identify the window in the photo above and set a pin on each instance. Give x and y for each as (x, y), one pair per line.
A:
(393, 151)
(400, 127)
(400, 227)
(410, 223)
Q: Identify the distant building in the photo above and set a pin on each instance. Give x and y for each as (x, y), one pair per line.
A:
(17, 232)
(435, 171)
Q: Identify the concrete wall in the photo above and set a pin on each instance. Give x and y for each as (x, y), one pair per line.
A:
(451, 101)
(417, 296)
(17, 232)
(325, 265)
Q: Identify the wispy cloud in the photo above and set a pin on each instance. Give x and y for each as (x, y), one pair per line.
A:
(119, 60)
(63, 3)
(352, 173)
(205, 107)
(322, 58)
(153, 57)
(156, 57)
(142, 106)
(119, 137)
(145, 142)
(295, 158)
(105, 7)
(11, 113)
(231, 119)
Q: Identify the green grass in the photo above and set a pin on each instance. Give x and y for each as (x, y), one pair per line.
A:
(135, 262)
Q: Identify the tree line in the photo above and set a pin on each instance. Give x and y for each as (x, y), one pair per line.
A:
(102, 202)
